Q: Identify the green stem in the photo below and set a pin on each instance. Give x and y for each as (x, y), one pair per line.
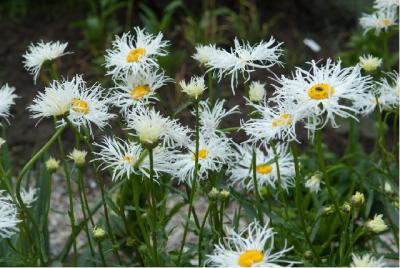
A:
(19, 181)
(153, 207)
(256, 192)
(321, 163)
(70, 193)
(278, 172)
(298, 202)
(201, 233)
(135, 190)
(103, 259)
(81, 190)
(193, 190)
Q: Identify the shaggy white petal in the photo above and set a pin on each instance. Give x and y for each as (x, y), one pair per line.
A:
(232, 250)
(367, 261)
(379, 20)
(130, 54)
(8, 216)
(38, 53)
(7, 98)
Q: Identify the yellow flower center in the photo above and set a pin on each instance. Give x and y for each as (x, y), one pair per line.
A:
(79, 106)
(202, 154)
(128, 158)
(249, 257)
(386, 22)
(135, 54)
(140, 91)
(283, 120)
(320, 91)
(264, 168)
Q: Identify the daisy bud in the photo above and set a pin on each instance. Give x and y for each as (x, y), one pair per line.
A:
(78, 157)
(224, 194)
(308, 255)
(52, 164)
(256, 91)
(358, 199)
(376, 225)
(194, 88)
(328, 210)
(313, 183)
(370, 63)
(98, 233)
(2, 141)
(130, 241)
(388, 188)
(346, 207)
(213, 194)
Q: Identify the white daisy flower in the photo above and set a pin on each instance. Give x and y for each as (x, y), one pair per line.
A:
(8, 216)
(138, 89)
(150, 127)
(256, 91)
(122, 156)
(7, 98)
(379, 20)
(194, 88)
(253, 246)
(325, 91)
(367, 261)
(388, 91)
(370, 63)
(214, 152)
(29, 196)
(244, 58)
(41, 52)
(132, 54)
(89, 106)
(204, 53)
(277, 122)
(386, 4)
(56, 98)
(241, 173)
(210, 119)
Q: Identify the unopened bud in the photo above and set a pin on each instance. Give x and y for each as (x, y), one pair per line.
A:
(358, 199)
(224, 194)
(52, 164)
(213, 194)
(98, 233)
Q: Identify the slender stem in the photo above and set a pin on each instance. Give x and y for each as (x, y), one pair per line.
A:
(103, 197)
(153, 207)
(210, 90)
(81, 190)
(135, 190)
(70, 194)
(19, 181)
(201, 233)
(193, 190)
(278, 172)
(298, 201)
(321, 163)
(256, 192)
(103, 260)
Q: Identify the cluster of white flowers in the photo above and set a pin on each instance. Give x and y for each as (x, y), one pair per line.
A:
(384, 16)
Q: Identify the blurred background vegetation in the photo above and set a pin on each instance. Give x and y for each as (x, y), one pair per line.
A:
(89, 27)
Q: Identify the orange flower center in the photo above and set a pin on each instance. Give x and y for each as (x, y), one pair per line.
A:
(135, 54)
(249, 257)
(264, 168)
(202, 154)
(283, 120)
(321, 91)
(128, 158)
(79, 106)
(140, 91)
